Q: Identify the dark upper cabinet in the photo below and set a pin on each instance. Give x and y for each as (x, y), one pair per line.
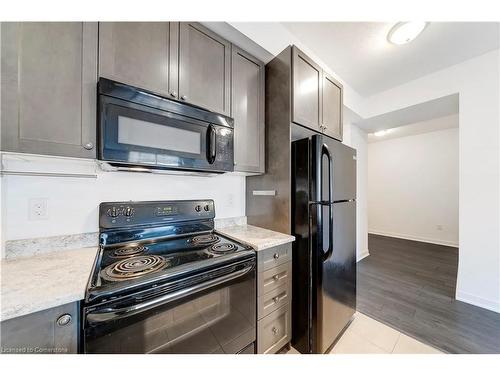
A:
(204, 68)
(49, 74)
(136, 53)
(316, 96)
(247, 87)
(306, 90)
(332, 107)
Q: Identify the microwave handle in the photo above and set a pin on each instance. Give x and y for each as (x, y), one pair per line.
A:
(212, 144)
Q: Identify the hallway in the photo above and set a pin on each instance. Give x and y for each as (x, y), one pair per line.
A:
(410, 286)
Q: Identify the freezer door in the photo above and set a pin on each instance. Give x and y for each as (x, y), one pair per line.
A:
(344, 169)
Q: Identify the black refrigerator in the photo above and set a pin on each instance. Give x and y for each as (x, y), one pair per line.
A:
(324, 253)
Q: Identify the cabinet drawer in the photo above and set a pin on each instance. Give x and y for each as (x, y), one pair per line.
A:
(274, 256)
(273, 332)
(273, 300)
(274, 278)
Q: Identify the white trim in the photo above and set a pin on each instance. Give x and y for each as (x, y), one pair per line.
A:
(414, 238)
(478, 301)
(363, 255)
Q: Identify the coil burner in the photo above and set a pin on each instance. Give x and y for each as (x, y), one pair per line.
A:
(132, 268)
(223, 248)
(205, 239)
(130, 251)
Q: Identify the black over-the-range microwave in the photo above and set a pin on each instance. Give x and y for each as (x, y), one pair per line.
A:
(142, 131)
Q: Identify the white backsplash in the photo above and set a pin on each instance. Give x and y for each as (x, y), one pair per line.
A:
(72, 202)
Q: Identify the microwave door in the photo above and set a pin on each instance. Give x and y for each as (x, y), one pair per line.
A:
(137, 135)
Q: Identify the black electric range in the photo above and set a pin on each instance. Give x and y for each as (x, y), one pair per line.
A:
(158, 260)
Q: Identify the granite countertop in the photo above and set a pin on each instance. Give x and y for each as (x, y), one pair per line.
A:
(258, 238)
(36, 283)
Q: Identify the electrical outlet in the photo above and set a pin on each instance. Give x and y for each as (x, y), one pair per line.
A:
(439, 227)
(230, 200)
(38, 209)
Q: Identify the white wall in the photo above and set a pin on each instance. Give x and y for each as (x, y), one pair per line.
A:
(413, 187)
(357, 139)
(73, 202)
(477, 83)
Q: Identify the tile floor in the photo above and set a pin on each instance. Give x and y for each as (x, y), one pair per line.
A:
(368, 336)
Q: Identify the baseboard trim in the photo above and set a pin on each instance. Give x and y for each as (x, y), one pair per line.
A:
(478, 301)
(413, 238)
(363, 255)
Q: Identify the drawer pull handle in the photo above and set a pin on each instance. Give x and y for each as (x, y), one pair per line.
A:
(276, 277)
(276, 299)
(275, 331)
(276, 255)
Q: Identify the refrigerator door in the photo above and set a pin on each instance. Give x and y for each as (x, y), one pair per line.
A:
(336, 301)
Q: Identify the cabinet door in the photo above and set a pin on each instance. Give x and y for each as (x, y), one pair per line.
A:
(49, 75)
(247, 91)
(332, 107)
(306, 94)
(204, 68)
(52, 331)
(136, 53)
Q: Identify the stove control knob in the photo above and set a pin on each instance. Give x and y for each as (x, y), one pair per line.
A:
(207, 207)
(198, 208)
(113, 212)
(129, 211)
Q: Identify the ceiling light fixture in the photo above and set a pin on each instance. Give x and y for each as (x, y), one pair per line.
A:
(405, 32)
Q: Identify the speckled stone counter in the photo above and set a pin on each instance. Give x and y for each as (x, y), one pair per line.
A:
(258, 238)
(40, 282)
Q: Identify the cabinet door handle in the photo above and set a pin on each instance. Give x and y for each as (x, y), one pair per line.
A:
(173, 94)
(276, 255)
(275, 331)
(64, 320)
(276, 277)
(184, 97)
(88, 146)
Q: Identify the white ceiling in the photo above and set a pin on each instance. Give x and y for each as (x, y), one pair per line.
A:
(360, 53)
(428, 126)
(417, 113)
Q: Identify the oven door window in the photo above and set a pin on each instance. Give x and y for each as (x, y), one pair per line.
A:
(217, 320)
(141, 135)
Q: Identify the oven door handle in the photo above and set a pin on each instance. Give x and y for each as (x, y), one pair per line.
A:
(108, 314)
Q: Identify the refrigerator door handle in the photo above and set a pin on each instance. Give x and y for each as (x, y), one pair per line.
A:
(325, 151)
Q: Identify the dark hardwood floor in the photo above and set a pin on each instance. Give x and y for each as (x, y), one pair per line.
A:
(410, 286)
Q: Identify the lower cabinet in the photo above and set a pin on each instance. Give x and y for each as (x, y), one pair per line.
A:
(52, 331)
(274, 297)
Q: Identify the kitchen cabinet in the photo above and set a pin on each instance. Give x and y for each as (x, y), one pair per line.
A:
(332, 106)
(248, 91)
(306, 92)
(274, 296)
(49, 75)
(204, 68)
(316, 96)
(140, 54)
(51, 331)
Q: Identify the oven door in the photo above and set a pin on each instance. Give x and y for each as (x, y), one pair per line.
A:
(211, 313)
(131, 134)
